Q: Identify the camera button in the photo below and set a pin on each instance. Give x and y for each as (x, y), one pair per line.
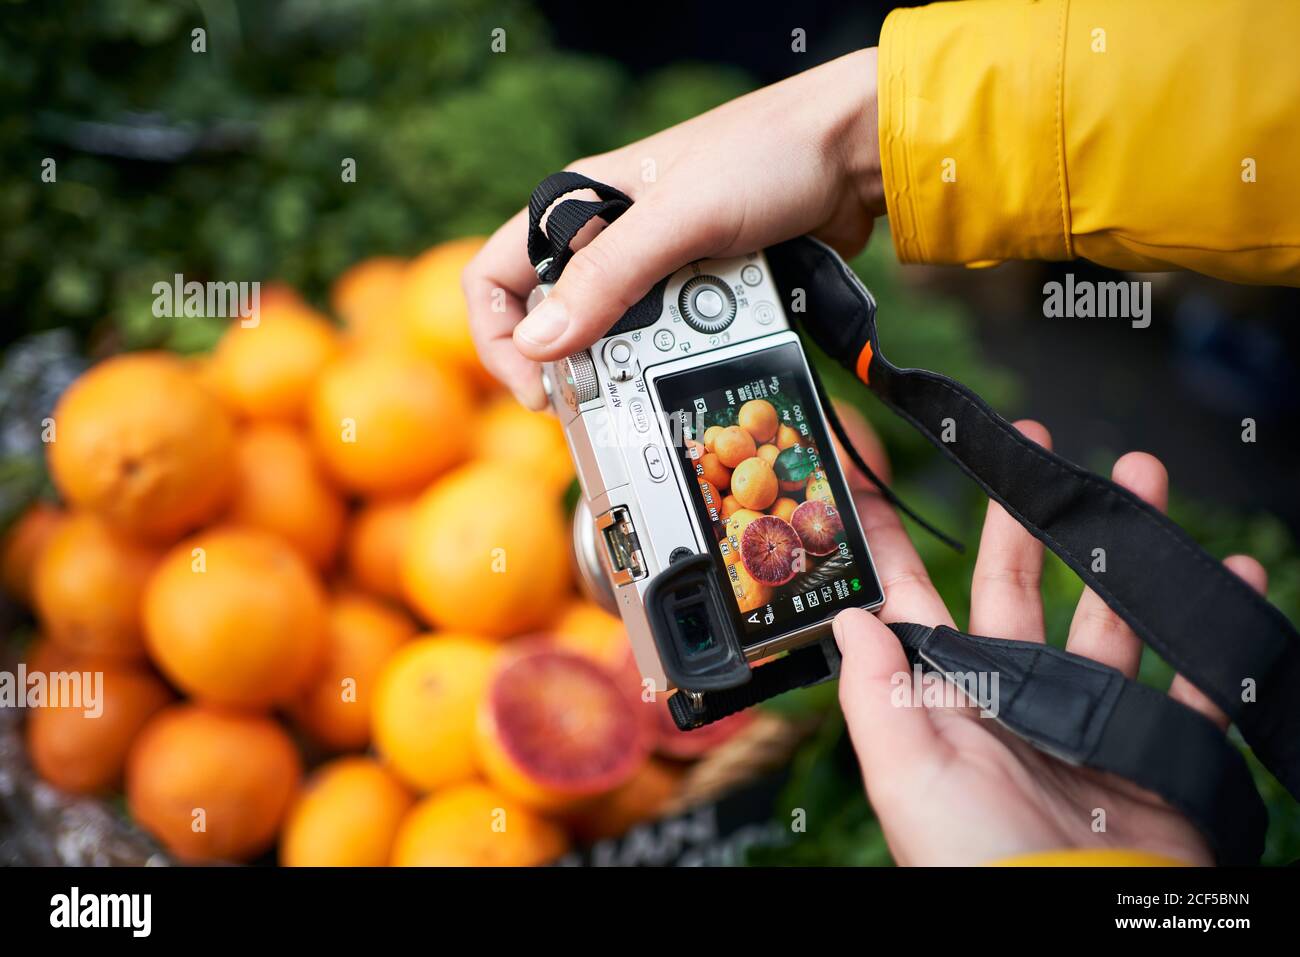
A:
(636, 408)
(665, 340)
(751, 275)
(654, 463)
(621, 359)
(764, 313)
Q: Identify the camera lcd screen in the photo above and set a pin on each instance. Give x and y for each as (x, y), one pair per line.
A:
(768, 491)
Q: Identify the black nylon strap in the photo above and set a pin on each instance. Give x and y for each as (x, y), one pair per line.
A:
(1089, 714)
(801, 668)
(566, 218)
(1204, 620)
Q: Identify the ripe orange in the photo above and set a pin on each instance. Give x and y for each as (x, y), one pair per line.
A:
(555, 730)
(424, 708)
(211, 785)
(383, 422)
(508, 433)
(362, 635)
(365, 298)
(758, 418)
(768, 454)
(734, 445)
(433, 311)
(472, 825)
(346, 816)
(235, 617)
(140, 442)
(82, 749)
(730, 506)
(783, 508)
(376, 540)
(715, 473)
(487, 552)
(749, 593)
(588, 630)
(267, 371)
(754, 484)
(87, 586)
(787, 436)
(23, 544)
(281, 489)
(711, 436)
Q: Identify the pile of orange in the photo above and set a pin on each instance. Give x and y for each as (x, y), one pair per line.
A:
(324, 574)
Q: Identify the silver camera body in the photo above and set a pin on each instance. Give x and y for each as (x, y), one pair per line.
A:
(636, 516)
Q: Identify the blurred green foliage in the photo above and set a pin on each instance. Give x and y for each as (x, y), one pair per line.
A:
(226, 164)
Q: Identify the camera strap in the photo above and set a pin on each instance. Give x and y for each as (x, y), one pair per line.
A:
(1207, 623)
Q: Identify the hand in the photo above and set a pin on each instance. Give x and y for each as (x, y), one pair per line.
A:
(950, 787)
(796, 157)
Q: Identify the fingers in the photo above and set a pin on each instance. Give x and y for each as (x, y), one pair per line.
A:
(1182, 690)
(892, 738)
(1006, 599)
(496, 284)
(1095, 631)
(613, 272)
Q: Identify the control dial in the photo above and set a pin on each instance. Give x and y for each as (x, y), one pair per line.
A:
(707, 304)
(579, 383)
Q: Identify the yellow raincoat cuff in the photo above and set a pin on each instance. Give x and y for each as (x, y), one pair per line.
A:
(971, 147)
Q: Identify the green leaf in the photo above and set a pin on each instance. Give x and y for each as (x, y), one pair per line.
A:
(794, 464)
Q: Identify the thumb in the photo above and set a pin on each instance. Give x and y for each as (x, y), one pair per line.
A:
(611, 274)
(891, 736)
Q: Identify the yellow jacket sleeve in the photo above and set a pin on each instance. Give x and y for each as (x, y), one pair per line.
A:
(1142, 135)
(1078, 857)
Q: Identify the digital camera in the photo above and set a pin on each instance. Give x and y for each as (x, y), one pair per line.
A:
(714, 514)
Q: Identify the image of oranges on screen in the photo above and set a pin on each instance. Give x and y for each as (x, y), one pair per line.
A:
(212, 784)
(383, 422)
(425, 705)
(139, 442)
(758, 417)
(87, 586)
(475, 825)
(235, 617)
(750, 594)
(754, 484)
(714, 472)
(787, 436)
(733, 445)
(486, 551)
(346, 815)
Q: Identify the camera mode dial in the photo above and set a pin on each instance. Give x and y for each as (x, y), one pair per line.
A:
(707, 304)
(580, 383)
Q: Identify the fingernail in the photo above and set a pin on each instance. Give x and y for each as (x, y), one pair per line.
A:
(544, 324)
